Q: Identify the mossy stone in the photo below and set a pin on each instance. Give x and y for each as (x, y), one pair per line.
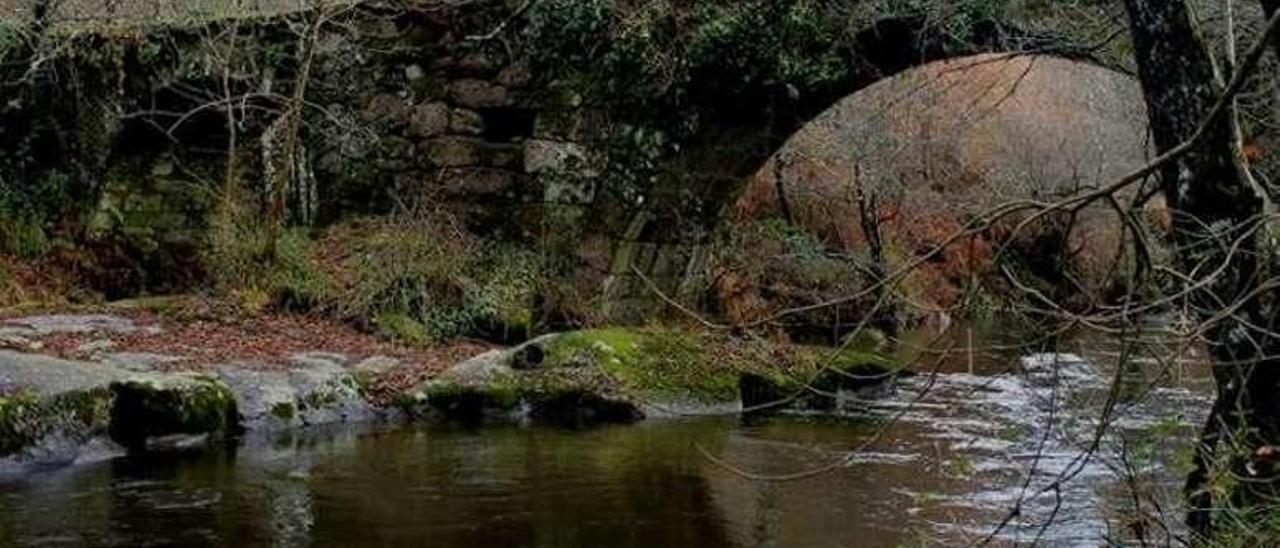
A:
(26, 418)
(145, 409)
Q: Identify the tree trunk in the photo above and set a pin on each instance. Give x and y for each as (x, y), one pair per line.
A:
(1216, 214)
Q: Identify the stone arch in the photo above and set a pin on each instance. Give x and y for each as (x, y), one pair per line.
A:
(949, 140)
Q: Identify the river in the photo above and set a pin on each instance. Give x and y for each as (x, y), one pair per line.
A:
(943, 461)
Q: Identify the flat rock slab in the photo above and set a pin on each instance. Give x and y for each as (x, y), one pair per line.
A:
(78, 323)
(48, 376)
(320, 393)
(139, 361)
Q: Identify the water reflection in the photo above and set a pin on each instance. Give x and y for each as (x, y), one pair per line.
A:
(950, 465)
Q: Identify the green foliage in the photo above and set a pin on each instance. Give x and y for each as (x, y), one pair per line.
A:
(240, 257)
(659, 71)
(295, 281)
(25, 212)
(25, 417)
(652, 54)
(284, 411)
(1245, 528)
(508, 281)
(425, 283)
(400, 327)
(12, 40)
(20, 418)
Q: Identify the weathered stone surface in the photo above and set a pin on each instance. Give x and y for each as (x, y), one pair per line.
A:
(96, 348)
(140, 362)
(475, 63)
(515, 76)
(329, 394)
(266, 399)
(384, 107)
(474, 93)
(319, 391)
(376, 365)
(319, 359)
(51, 409)
(466, 122)
(19, 338)
(546, 156)
(569, 190)
(569, 124)
(413, 73)
(467, 151)
(488, 387)
(475, 182)
(48, 376)
(397, 147)
(49, 324)
(429, 120)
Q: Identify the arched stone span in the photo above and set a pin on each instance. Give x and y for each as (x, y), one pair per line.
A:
(942, 143)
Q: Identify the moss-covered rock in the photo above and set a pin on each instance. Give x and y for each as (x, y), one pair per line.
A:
(26, 418)
(489, 388)
(660, 364)
(164, 406)
(619, 374)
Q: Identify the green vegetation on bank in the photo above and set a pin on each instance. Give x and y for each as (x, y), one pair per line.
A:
(411, 279)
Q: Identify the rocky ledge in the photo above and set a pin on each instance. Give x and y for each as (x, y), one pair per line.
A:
(56, 411)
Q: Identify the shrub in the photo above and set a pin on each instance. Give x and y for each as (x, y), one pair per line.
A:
(240, 258)
(424, 280)
(770, 265)
(24, 210)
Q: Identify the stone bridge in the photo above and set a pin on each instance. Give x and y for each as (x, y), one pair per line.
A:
(442, 105)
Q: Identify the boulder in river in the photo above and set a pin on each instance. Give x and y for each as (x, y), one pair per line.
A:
(626, 374)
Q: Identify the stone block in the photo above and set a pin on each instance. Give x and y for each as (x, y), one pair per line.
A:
(477, 181)
(515, 76)
(469, 151)
(474, 93)
(384, 107)
(466, 122)
(429, 120)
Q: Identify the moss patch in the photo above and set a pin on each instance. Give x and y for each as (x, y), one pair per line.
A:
(660, 363)
(25, 418)
(145, 409)
(564, 397)
(284, 411)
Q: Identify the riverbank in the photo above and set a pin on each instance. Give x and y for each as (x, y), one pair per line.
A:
(141, 376)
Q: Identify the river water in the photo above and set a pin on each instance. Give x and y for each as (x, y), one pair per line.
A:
(944, 461)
